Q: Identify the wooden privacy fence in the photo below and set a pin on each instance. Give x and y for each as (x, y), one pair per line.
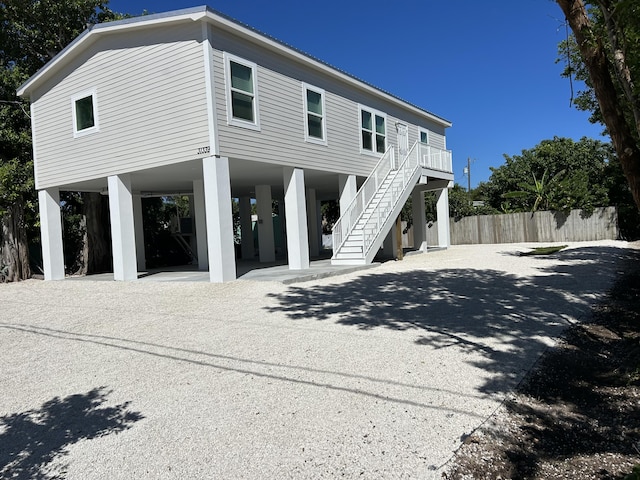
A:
(602, 224)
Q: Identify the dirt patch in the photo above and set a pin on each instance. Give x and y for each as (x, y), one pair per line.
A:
(577, 415)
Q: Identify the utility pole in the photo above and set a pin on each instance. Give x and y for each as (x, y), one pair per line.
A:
(467, 172)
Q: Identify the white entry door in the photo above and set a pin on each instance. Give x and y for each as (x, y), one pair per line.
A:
(403, 140)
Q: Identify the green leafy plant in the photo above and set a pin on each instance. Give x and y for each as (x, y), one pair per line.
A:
(544, 250)
(635, 473)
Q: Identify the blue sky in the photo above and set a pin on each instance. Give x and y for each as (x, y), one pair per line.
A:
(488, 67)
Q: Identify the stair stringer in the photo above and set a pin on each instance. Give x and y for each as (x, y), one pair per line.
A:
(370, 254)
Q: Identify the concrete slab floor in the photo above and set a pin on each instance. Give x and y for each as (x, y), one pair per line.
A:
(246, 270)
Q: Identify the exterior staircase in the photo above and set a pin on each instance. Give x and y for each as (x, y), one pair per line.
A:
(359, 232)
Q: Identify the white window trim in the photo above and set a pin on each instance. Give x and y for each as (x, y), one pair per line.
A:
(307, 138)
(425, 131)
(231, 120)
(93, 93)
(373, 113)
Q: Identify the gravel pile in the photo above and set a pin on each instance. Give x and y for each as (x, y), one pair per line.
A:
(376, 374)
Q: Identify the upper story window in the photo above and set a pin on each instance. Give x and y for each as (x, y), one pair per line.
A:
(373, 127)
(314, 120)
(424, 137)
(242, 92)
(84, 109)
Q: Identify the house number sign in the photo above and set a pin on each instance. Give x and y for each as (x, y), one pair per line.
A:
(202, 150)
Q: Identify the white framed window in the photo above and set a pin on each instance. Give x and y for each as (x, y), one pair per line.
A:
(373, 131)
(241, 85)
(84, 111)
(424, 136)
(315, 124)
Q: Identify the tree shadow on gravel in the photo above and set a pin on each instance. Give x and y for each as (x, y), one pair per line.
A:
(31, 440)
(576, 415)
(503, 319)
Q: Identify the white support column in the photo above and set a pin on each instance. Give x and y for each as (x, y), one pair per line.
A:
(389, 245)
(51, 234)
(201, 225)
(123, 238)
(313, 223)
(296, 218)
(442, 209)
(246, 232)
(348, 188)
(266, 241)
(219, 219)
(419, 221)
(139, 232)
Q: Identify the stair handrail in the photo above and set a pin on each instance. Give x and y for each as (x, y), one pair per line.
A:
(348, 219)
(402, 175)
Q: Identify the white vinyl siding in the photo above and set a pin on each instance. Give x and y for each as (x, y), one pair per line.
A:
(281, 139)
(315, 112)
(152, 107)
(437, 140)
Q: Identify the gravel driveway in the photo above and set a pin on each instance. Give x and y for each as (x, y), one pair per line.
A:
(374, 374)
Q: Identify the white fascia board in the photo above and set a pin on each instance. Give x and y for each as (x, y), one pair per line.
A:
(300, 57)
(89, 36)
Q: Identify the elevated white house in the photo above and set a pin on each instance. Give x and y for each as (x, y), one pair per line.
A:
(193, 102)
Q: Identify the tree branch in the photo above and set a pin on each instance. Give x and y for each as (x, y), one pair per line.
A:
(619, 60)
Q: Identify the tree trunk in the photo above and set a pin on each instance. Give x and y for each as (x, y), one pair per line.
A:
(97, 244)
(82, 257)
(595, 58)
(614, 31)
(14, 249)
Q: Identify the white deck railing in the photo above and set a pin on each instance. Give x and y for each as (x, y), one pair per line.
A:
(435, 158)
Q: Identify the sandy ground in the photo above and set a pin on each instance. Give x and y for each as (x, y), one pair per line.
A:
(374, 374)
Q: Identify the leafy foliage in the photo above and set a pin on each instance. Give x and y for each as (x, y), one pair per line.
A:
(543, 250)
(16, 164)
(566, 175)
(330, 211)
(604, 53)
(32, 32)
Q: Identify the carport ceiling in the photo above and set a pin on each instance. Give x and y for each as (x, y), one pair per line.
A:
(245, 175)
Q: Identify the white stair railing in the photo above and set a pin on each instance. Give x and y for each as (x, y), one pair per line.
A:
(381, 192)
(348, 219)
(388, 199)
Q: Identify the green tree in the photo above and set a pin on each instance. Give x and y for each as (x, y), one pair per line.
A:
(541, 192)
(607, 39)
(556, 174)
(32, 32)
(330, 211)
(17, 198)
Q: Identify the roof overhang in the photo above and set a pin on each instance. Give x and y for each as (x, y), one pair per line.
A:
(219, 20)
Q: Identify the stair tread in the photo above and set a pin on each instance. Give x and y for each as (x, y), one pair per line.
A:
(368, 225)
